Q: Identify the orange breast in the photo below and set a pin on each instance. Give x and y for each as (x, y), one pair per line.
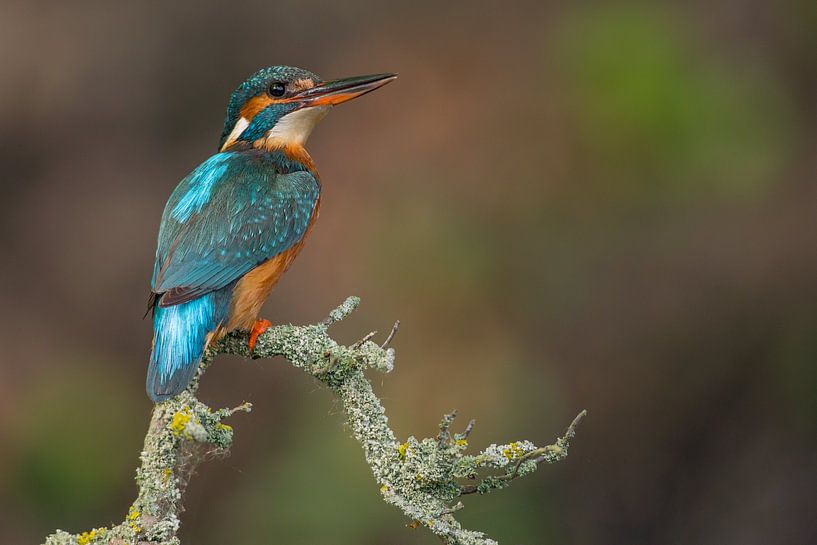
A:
(254, 287)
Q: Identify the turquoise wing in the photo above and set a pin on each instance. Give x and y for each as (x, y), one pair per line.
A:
(235, 211)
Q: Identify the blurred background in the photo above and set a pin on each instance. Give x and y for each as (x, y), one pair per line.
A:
(568, 205)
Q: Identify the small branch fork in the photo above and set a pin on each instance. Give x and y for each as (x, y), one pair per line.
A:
(421, 477)
(549, 453)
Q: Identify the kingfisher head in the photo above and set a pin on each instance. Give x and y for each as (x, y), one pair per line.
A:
(279, 106)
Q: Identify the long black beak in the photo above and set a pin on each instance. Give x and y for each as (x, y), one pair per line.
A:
(338, 91)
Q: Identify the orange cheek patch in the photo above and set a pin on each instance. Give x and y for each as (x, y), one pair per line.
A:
(257, 103)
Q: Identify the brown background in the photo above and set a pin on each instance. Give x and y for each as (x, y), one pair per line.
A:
(608, 206)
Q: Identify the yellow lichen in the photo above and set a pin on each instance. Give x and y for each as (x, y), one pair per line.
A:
(384, 489)
(402, 449)
(180, 420)
(166, 474)
(89, 537)
(224, 427)
(514, 450)
(461, 443)
(133, 516)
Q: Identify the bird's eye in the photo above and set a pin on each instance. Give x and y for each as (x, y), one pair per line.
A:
(277, 89)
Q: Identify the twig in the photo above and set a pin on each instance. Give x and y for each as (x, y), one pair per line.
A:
(549, 453)
(368, 337)
(469, 428)
(445, 424)
(342, 311)
(392, 333)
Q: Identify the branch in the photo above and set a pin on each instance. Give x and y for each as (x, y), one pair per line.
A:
(420, 477)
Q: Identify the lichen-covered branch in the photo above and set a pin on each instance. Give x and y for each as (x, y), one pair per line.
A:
(424, 478)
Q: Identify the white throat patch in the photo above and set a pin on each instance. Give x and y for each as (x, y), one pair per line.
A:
(295, 128)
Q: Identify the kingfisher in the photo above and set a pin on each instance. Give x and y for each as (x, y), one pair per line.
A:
(233, 226)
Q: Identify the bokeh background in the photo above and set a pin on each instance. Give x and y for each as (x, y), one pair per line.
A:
(568, 205)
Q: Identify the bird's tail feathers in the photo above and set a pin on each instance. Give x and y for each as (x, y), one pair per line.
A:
(180, 334)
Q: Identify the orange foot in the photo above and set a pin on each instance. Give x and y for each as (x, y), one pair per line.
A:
(259, 327)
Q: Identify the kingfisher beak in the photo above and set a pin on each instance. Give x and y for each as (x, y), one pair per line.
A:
(329, 93)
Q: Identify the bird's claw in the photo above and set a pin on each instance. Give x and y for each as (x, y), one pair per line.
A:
(258, 328)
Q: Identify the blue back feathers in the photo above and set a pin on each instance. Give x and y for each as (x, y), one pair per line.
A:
(232, 213)
(235, 211)
(200, 186)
